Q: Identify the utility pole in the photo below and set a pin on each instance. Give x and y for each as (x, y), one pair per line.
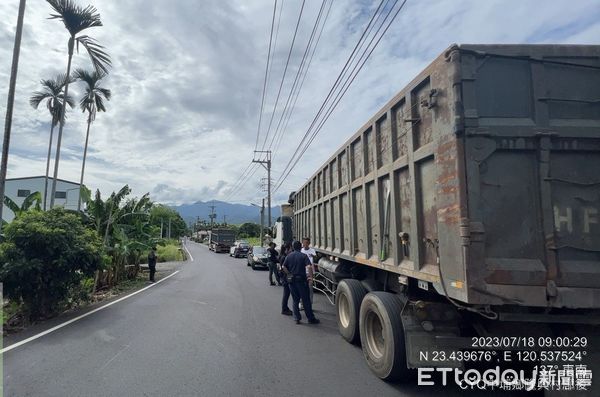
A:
(262, 221)
(161, 227)
(267, 164)
(212, 215)
(169, 228)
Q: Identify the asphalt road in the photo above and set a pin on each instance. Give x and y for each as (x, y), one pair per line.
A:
(213, 329)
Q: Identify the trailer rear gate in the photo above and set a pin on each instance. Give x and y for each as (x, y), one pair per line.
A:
(488, 162)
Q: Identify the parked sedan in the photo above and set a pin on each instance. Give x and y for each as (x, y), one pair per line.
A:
(257, 257)
(239, 249)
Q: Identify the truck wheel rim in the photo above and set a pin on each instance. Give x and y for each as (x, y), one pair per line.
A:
(374, 335)
(344, 310)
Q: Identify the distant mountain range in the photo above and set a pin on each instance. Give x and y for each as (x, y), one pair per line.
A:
(234, 213)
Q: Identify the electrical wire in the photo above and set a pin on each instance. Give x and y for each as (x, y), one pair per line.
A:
(341, 94)
(240, 180)
(262, 103)
(284, 74)
(298, 73)
(287, 121)
(300, 150)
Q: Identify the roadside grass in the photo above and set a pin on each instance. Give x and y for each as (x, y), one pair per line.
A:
(14, 316)
(171, 252)
(252, 240)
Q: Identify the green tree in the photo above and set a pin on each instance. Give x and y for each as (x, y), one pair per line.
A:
(125, 228)
(249, 229)
(91, 102)
(76, 19)
(44, 256)
(161, 214)
(52, 93)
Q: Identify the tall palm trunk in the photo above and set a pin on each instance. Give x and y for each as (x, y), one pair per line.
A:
(48, 166)
(87, 137)
(10, 105)
(62, 122)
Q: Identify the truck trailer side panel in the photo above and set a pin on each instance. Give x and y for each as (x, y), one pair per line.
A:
(480, 177)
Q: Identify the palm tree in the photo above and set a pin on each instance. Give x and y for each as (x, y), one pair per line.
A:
(52, 93)
(76, 20)
(10, 104)
(91, 102)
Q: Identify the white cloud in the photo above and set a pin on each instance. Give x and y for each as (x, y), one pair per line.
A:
(187, 79)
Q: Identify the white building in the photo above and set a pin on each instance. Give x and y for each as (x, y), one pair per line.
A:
(67, 193)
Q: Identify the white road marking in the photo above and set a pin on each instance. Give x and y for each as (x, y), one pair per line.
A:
(189, 253)
(115, 356)
(46, 332)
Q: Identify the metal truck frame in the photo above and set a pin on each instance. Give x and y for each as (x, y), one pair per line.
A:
(467, 206)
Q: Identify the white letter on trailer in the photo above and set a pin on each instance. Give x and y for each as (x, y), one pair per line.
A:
(590, 215)
(559, 219)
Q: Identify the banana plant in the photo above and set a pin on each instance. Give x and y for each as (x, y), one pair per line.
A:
(33, 201)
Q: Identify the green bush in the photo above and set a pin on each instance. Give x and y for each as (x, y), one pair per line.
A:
(45, 256)
(169, 253)
(253, 241)
(166, 253)
(81, 292)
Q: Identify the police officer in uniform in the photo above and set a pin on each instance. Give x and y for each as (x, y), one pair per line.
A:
(295, 266)
(285, 250)
(152, 258)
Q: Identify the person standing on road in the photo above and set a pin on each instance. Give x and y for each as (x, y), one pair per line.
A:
(272, 263)
(285, 310)
(296, 266)
(152, 258)
(311, 254)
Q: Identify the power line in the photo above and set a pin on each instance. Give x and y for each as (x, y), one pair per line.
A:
(299, 72)
(353, 74)
(236, 185)
(275, 42)
(293, 161)
(287, 121)
(262, 102)
(243, 181)
(284, 74)
(335, 84)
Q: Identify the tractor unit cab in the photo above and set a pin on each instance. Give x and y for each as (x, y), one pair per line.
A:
(282, 230)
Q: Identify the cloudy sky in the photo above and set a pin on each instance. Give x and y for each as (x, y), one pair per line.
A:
(187, 81)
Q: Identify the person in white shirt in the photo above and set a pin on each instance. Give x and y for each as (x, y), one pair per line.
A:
(311, 253)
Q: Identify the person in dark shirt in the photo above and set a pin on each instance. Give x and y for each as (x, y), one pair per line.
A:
(285, 310)
(272, 263)
(152, 257)
(296, 265)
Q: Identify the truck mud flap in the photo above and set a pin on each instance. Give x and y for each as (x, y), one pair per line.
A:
(427, 325)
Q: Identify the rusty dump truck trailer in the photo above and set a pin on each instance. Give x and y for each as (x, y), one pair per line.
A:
(473, 197)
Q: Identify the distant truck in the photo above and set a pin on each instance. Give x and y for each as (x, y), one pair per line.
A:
(466, 212)
(221, 240)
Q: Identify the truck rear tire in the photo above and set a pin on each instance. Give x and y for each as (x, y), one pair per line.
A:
(382, 336)
(348, 297)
